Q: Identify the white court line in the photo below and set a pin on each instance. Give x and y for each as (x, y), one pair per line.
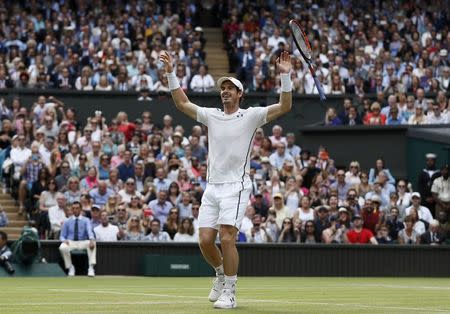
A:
(94, 303)
(355, 305)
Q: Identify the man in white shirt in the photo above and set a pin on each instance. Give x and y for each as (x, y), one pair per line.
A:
(156, 235)
(57, 215)
(436, 117)
(278, 158)
(20, 154)
(424, 213)
(230, 134)
(258, 233)
(46, 149)
(247, 223)
(106, 231)
(142, 80)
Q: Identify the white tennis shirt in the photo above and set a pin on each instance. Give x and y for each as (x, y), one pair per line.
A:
(230, 138)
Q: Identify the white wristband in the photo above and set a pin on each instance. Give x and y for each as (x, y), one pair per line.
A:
(173, 81)
(286, 83)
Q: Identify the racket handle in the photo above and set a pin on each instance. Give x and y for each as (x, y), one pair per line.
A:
(319, 88)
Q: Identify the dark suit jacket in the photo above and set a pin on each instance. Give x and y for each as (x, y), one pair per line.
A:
(426, 238)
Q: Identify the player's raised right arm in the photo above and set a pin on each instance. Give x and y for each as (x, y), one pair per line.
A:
(179, 97)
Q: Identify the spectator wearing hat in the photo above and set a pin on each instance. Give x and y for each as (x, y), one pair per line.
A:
(422, 211)
(359, 234)
(260, 205)
(95, 215)
(434, 235)
(441, 192)
(426, 178)
(375, 117)
(280, 208)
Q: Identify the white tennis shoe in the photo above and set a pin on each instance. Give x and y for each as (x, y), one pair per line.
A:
(227, 300)
(217, 288)
(71, 272)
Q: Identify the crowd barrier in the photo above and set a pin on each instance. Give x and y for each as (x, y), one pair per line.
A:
(126, 258)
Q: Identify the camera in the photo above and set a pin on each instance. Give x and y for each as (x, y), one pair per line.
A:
(4, 261)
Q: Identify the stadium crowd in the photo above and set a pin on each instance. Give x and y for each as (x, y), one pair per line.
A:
(135, 180)
(139, 180)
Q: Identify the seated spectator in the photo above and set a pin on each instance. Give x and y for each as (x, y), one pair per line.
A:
(129, 191)
(185, 206)
(335, 233)
(106, 231)
(418, 118)
(172, 223)
(101, 193)
(394, 224)
(380, 167)
(278, 158)
(134, 230)
(435, 116)
(203, 81)
(134, 207)
(57, 215)
(395, 118)
(280, 209)
(423, 212)
(77, 234)
(90, 181)
(408, 235)
(155, 234)
(375, 117)
(46, 200)
(359, 235)
(3, 217)
(309, 234)
(331, 117)
(121, 217)
(434, 236)
(258, 232)
(383, 236)
(161, 206)
(440, 191)
(186, 232)
(95, 216)
(287, 234)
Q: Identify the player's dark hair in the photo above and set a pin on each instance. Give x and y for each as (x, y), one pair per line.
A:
(3, 236)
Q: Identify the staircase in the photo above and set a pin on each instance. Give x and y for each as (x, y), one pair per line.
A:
(16, 222)
(216, 56)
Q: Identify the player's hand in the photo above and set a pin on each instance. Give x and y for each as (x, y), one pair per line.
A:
(91, 244)
(167, 60)
(284, 64)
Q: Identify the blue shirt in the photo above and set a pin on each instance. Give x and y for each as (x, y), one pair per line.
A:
(125, 171)
(161, 210)
(161, 184)
(3, 219)
(99, 198)
(84, 229)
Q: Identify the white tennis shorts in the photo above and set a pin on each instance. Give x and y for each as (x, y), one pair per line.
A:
(224, 204)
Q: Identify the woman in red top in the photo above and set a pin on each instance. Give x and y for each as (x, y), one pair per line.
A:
(375, 117)
(125, 127)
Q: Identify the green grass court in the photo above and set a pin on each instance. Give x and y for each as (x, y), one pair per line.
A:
(255, 295)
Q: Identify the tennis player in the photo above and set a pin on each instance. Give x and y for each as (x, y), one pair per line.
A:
(230, 135)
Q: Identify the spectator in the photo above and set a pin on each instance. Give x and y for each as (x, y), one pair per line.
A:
(3, 217)
(341, 185)
(383, 236)
(434, 236)
(394, 224)
(186, 232)
(134, 230)
(161, 206)
(202, 82)
(309, 235)
(426, 178)
(436, 116)
(331, 117)
(287, 234)
(155, 234)
(352, 177)
(77, 234)
(247, 221)
(106, 231)
(129, 191)
(375, 117)
(380, 167)
(258, 233)
(126, 168)
(418, 118)
(359, 234)
(95, 215)
(408, 235)
(57, 215)
(278, 158)
(293, 149)
(305, 212)
(335, 233)
(423, 212)
(277, 136)
(171, 225)
(101, 193)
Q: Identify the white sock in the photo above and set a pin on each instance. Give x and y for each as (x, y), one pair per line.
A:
(219, 271)
(230, 282)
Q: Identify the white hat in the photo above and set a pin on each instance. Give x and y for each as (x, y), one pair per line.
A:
(415, 194)
(343, 210)
(430, 156)
(375, 198)
(198, 29)
(443, 52)
(233, 80)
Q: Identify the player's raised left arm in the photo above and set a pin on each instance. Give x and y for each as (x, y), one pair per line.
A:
(285, 103)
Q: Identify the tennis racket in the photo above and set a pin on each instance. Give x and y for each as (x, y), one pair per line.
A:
(302, 43)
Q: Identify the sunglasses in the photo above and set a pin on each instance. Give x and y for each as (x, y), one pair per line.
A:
(121, 210)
